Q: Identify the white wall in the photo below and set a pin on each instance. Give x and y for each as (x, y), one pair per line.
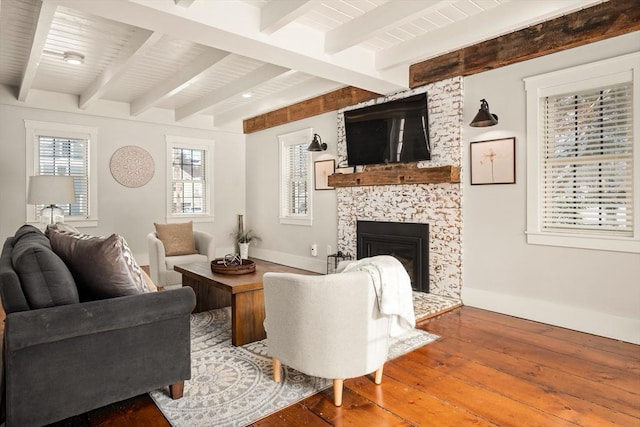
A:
(289, 244)
(130, 212)
(588, 290)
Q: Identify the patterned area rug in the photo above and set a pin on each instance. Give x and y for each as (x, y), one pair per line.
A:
(233, 386)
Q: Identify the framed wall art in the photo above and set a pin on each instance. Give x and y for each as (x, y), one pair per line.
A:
(493, 161)
(322, 170)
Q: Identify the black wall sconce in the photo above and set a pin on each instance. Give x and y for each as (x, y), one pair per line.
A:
(484, 118)
(317, 144)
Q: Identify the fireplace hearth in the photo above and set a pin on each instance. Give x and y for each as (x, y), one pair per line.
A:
(406, 241)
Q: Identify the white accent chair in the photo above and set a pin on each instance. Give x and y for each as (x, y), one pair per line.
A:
(325, 326)
(161, 266)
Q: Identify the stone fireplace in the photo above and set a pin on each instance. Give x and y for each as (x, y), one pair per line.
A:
(437, 204)
(407, 242)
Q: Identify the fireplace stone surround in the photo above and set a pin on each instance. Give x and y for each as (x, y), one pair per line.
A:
(439, 205)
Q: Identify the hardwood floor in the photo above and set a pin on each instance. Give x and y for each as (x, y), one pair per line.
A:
(487, 369)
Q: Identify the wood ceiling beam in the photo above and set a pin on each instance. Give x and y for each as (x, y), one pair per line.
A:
(312, 107)
(610, 19)
(377, 21)
(43, 25)
(235, 88)
(276, 14)
(177, 82)
(475, 29)
(140, 43)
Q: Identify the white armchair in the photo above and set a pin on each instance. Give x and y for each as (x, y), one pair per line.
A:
(161, 266)
(325, 326)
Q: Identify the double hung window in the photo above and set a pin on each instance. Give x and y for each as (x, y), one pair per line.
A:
(189, 194)
(295, 178)
(68, 150)
(583, 153)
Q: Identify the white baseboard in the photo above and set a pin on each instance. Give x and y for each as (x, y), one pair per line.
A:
(318, 265)
(314, 264)
(579, 319)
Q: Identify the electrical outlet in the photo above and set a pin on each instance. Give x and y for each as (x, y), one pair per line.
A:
(314, 250)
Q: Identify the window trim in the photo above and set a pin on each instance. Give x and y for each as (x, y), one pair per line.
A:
(303, 136)
(589, 76)
(34, 128)
(197, 144)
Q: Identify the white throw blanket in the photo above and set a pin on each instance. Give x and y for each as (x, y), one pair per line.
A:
(393, 289)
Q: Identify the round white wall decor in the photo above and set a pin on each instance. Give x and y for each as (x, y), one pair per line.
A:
(132, 166)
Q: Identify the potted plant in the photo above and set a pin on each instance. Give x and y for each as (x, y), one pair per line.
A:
(244, 238)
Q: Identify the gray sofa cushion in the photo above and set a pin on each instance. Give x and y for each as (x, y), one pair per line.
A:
(46, 280)
(102, 266)
(13, 298)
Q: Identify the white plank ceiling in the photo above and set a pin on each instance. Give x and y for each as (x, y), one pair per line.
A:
(198, 57)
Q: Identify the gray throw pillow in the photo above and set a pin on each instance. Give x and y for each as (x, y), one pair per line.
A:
(103, 267)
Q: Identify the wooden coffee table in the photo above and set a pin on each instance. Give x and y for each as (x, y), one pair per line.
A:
(244, 292)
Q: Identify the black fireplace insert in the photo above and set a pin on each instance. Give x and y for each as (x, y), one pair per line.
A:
(406, 241)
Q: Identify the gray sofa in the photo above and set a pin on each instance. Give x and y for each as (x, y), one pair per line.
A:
(64, 355)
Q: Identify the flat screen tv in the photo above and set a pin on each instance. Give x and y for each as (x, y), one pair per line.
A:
(391, 132)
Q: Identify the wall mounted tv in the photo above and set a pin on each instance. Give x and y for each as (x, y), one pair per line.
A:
(391, 132)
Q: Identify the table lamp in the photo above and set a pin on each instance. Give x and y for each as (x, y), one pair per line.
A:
(48, 190)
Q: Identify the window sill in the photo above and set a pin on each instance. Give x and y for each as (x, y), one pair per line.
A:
(296, 221)
(193, 218)
(613, 244)
(81, 223)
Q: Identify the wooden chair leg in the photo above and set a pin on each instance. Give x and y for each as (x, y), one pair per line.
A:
(378, 379)
(277, 370)
(337, 392)
(176, 390)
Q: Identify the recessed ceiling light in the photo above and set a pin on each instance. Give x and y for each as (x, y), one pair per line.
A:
(73, 58)
(247, 95)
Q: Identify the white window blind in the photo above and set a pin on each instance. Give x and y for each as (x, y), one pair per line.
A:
(297, 179)
(69, 157)
(189, 181)
(587, 161)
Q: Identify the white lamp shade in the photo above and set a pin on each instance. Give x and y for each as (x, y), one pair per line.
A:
(51, 189)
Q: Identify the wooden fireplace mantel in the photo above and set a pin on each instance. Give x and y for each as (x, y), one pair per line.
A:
(396, 174)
